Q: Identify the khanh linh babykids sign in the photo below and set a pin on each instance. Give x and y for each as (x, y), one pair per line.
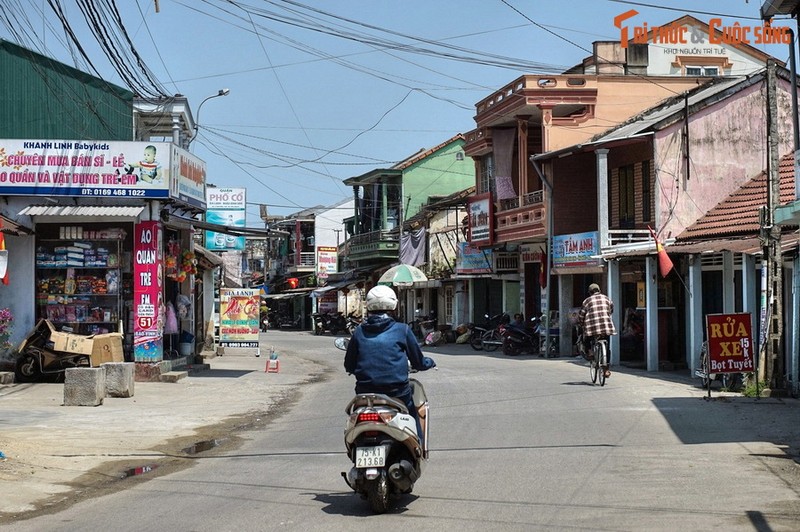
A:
(730, 343)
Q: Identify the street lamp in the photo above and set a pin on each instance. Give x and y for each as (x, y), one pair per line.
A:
(222, 92)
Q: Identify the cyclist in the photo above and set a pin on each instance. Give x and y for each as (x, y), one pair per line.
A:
(595, 320)
(381, 350)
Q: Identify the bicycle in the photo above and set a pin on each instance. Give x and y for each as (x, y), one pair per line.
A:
(729, 381)
(599, 362)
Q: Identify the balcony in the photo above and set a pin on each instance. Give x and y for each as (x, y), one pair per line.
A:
(628, 239)
(375, 245)
(305, 262)
(505, 262)
(520, 219)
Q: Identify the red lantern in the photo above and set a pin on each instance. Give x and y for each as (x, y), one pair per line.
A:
(293, 282)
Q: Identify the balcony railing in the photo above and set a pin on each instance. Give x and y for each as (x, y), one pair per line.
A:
(506, 262)
(619, 237)
(307, 258)
(531, 198)
(372, 237)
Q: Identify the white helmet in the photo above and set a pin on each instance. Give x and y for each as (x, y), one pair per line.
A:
(381, 298)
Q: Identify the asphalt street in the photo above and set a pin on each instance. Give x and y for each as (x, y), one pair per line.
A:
(520, 443)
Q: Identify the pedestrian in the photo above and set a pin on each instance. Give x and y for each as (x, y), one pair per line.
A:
(380, 350)
(595, 320)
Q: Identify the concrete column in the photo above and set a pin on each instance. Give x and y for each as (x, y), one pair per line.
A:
(651, 296)
(602, 197)
(615, 293)
(794, 358)
(522, 154)
(728, 287)
(695, 320)
(565, 298)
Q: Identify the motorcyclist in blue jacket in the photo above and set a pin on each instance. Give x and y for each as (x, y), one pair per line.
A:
(380, 350)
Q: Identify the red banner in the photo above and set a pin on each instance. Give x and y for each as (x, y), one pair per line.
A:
(730, 343)
(148, 281)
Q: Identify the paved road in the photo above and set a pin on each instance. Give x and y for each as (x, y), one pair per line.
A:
(517, 444)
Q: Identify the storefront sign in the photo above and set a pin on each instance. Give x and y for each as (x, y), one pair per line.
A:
(532, 253)
(85, 168)
(577, 249)
(148, 303)
(481, 220)
(226, 206)
(473, 260)
(327, 261)
(189, 178)
(730, 343)
(238, 323)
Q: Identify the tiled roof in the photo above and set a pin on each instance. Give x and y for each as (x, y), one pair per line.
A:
(738, 213)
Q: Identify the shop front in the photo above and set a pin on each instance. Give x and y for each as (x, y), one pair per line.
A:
(102, 259)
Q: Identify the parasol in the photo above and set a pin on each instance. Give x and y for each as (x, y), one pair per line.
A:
(402, 275)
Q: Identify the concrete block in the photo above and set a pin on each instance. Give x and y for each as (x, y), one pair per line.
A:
(152, 371)
(84, 386)
(6, 377)
(119, 379)
(173, 376)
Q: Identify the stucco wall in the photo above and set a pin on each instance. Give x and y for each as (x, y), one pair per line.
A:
(439, 174)
(728, 146)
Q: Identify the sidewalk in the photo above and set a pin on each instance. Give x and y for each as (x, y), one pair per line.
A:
(51, 451)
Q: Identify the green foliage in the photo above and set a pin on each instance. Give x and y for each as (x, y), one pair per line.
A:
(749, 389)
(6, 319)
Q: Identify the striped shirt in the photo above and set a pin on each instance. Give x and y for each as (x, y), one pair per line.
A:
(595, 316)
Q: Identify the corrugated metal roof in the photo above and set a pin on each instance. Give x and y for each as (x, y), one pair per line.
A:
(127, 211)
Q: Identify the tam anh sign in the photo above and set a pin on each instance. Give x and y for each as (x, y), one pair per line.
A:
(730, 343)
(577, 249)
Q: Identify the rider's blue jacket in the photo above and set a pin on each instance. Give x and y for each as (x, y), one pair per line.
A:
(379, 352)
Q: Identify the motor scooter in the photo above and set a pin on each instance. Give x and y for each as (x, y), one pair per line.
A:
(382, 442)
(518, 339)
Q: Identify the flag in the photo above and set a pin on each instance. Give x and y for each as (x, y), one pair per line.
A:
(664, 262)
(2, 248)
(543, 270)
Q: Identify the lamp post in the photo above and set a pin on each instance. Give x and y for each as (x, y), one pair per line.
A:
(221, 92)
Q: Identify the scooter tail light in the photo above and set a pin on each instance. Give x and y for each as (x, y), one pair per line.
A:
(375, 417)
(368, 417)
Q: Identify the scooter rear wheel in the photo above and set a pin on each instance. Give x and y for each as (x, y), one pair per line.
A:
(476, 342)
(378, 494)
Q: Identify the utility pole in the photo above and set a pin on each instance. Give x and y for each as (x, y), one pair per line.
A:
(770, 356)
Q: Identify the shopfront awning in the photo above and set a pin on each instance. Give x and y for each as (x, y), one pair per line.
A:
(207, 259)
(331, 286)
(294, 292)
(180, 221)
(58, 213)
(12, 227)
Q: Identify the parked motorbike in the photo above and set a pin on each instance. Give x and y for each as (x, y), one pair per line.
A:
(488, 336)
(352, 322)
(382, 442)
(519, 339)
(38, 358)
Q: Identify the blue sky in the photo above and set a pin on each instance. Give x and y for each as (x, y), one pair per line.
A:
(325, 90)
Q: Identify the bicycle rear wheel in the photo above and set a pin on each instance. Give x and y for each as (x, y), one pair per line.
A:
(601, 356)
(593, 369)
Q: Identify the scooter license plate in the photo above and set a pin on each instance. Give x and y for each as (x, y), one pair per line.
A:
(370, 456)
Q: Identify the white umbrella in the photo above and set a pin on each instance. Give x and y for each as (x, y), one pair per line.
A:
(402, 275)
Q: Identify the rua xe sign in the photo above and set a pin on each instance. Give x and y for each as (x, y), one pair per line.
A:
(730, 343)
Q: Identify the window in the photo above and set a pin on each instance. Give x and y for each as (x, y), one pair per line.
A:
(486, 179)
(646, 191)
(627, 203)
(702, 71)
(448, 304)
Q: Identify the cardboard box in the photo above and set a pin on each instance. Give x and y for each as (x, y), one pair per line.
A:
(101, 347)
(107, 348)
